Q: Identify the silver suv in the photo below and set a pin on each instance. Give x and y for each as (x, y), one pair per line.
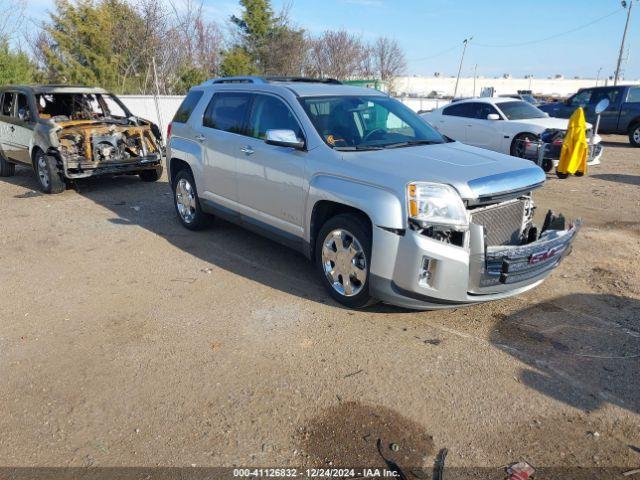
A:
(389, 209)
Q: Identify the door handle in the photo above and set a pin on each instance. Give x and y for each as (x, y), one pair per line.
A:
(201, 138)
(247, 150)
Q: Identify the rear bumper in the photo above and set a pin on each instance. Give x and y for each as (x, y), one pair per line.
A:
(150, 162)
(457, 275)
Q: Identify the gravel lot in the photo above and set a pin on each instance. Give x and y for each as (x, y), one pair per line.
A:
(126, 340)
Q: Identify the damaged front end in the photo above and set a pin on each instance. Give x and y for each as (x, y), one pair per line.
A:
(96, 147)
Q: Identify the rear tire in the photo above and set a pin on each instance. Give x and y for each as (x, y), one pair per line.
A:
(49, 176)
(634, 135)
(151, 175)
(7, 169)
(343, 259)
(187, 203)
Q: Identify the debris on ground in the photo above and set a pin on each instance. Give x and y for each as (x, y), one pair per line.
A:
(628, 473)
(520, 471)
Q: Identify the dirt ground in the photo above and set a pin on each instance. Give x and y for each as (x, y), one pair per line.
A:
(126, 340)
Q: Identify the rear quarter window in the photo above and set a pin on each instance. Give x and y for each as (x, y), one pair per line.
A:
(634, 95)
(187, 106)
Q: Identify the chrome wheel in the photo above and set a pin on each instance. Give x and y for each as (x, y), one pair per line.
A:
(636, 135)
(344, 262)
(186, 200)
(43, 172)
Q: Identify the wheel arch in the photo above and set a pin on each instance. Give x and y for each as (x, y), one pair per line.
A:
(330, 196)
(182, 151)
(518, 135)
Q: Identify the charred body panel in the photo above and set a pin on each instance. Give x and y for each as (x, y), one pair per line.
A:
(80, 132)
(90, 147)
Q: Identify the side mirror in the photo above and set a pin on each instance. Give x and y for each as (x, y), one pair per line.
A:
(284, 138)
(602, 105)
(493, 116)
(23, 114)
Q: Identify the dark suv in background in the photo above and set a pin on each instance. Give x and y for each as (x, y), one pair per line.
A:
(621, 117)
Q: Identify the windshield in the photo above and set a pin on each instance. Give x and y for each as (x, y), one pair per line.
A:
(519, 110)
(79, 106)
(367, 123)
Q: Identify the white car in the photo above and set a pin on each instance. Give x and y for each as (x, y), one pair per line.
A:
(506, 125)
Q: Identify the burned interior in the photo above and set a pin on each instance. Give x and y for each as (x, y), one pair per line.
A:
(96, 130)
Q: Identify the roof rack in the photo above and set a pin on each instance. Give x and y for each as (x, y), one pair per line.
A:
(331, 81)
(254, 79)
(238, 80)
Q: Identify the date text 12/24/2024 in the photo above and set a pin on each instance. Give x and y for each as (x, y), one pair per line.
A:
(315, 473)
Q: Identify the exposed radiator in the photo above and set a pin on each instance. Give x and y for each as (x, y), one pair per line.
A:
(502, 223)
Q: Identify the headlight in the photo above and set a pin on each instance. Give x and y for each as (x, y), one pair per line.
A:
(436, 204)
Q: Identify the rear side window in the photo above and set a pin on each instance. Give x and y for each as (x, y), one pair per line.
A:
(7, 103)
(227, 111)
(187, 106)
(270, 113)
(460, 110)
(634, 95)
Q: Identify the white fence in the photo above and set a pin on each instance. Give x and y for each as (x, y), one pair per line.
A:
(144, 106)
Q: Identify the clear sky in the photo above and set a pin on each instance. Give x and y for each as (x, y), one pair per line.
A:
(508, 36)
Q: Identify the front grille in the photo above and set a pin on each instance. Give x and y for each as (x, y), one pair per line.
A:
(502, 223)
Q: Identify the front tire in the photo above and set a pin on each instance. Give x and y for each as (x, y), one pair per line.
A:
(187, 203)
(49, 176)
(634, 135)
(7, 169)
(518, 146)
(151, 175)
(343, 259)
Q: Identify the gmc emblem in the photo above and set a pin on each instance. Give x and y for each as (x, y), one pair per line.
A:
(546, 255)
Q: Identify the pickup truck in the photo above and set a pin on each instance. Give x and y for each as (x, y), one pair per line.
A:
(387, 207)
(621, 117)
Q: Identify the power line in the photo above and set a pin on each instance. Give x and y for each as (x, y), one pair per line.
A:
(456, 46)
(531, 42)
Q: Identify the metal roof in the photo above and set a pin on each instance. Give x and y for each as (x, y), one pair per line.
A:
(55, 88)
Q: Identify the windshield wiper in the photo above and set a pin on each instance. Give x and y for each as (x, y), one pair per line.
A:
(411, 143)
(358, 148)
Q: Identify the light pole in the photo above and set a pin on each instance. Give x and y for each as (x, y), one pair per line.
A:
(598, 76)
(624, 37)
(464, 49)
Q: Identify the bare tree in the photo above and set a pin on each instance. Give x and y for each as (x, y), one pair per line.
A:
(337, 54)
(11, 18)
(388, 59)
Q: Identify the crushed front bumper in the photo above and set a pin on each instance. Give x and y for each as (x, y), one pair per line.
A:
(149, 162)
(418, 272)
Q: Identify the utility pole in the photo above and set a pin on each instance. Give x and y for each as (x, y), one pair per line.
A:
(624, 37)
(598, 76)
(464, 49)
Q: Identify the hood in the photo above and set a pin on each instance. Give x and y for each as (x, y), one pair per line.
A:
(472, 171)
(546, 122)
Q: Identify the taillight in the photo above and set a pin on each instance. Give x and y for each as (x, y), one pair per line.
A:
(169, 132)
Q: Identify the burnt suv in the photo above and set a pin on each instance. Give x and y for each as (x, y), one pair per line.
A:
(69, 132)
